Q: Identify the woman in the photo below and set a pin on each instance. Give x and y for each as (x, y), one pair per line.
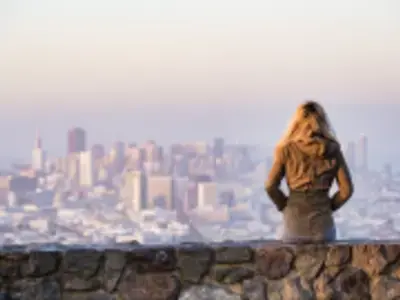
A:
(310, 158)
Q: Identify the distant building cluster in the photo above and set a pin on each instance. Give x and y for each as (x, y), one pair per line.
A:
(147, 176)
(163, 193)
(152, 193)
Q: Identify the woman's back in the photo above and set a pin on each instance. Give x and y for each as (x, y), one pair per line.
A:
(311, 164)
(310, 159)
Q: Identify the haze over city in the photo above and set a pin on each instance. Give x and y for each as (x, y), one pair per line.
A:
(155, 121)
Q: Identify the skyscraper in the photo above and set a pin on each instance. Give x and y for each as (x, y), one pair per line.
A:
(117, 155)
(207, 194)
(76, 140)
(86, 169)
(218, 147)
(38, 154)
(161, 192)
(98, 151)
(134, 191)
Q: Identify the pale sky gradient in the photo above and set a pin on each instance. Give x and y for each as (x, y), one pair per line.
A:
(152, 51)
(106, 65)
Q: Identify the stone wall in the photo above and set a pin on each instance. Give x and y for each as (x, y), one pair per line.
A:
(254, 271)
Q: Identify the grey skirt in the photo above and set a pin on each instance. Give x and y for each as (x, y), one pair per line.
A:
(308, 217)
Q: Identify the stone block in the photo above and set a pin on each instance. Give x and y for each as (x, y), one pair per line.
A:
(10, 264)
(80, 270)
(232, 274)
(233, 255)
(309, 260)
(374, 258)
(41, 263)
(274, 263)
(194, 263)
(157, 286)
(152, 260)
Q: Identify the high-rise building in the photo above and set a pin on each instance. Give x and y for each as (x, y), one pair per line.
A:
(38, 155)
(190, 200)
(73, 168)
(181, 185)
(117, 156)
(76, 140)
(363, 154)
(179, 165)
(176, 149)
(118, 149)
(218, 147)
(207, 194)
(134, 191)
(161, 192)
(153, 152)
(135, 157)
(86, 169)
(98, 151)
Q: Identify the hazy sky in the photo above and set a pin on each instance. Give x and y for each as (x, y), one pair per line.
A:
(94, 51)
(69, 60)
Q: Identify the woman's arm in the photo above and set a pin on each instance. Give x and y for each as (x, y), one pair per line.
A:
(344, 182)
(272, 185)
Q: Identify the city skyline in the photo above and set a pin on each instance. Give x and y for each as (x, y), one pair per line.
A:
(249, 126)
(189, 191)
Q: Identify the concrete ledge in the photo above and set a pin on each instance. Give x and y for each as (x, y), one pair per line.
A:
(254, 270)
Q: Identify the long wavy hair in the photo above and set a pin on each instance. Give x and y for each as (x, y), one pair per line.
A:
(309, 120)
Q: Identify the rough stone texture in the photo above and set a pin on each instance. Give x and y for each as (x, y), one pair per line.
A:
(207, 292)
(274, 263)
(256, 271)
(309, 260)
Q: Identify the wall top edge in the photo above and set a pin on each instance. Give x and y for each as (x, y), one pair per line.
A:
(136, 246)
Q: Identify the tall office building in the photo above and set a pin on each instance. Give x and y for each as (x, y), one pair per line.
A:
(153, 157)
(118, 149)
(38, 155)
(135, 157)
(73, 167)
(218, 147)
(134, 191)
(190, 200)
(179, 165)
(362, 154)
(76, 140)
(98, 151)
(161, 192)
(207, 194)
(86, 169)
(117, 156)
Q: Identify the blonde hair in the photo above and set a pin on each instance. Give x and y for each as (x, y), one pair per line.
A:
(310, 118)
